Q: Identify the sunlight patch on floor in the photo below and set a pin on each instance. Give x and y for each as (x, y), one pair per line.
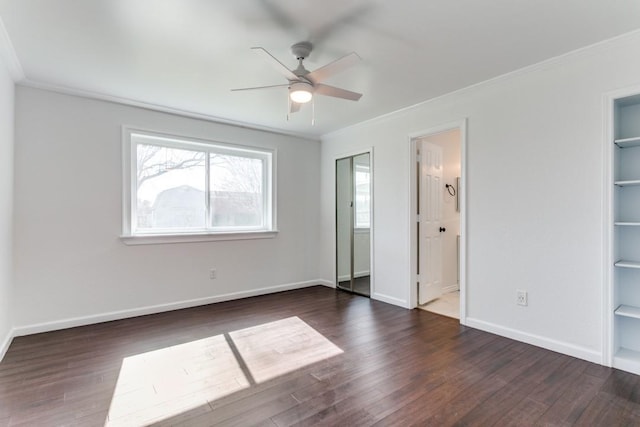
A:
(277, 348)
(163, 383)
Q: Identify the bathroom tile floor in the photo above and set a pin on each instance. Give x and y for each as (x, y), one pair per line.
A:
(447, 305)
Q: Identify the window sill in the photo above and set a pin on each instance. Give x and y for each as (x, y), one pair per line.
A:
(159, 239)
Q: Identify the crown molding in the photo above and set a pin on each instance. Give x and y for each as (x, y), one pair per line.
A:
(8, 54)
(81, 93)
(592, 49)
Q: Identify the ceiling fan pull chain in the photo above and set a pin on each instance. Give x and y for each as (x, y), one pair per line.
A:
(313, 111)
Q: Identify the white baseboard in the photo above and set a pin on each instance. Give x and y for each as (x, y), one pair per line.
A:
(390, 300)
(6, 343)
(327, 283)
(141, 311)
(537, 340)
(450, 288)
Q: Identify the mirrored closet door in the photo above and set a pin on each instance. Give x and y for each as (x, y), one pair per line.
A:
(353, 223)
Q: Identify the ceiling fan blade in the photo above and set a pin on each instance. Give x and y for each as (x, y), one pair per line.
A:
(279, 15)
(294, 107)
(332, 68)
(258, 87)
(279, 66)
(336, 92)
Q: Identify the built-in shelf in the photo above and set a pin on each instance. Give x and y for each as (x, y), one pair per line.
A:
(628, 311)
(625, 314)
(628, 142)
(627, 183)
(627, 264)
(627, 360)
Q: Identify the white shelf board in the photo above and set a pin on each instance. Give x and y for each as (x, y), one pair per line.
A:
(627, 223)
(627, 183)
(627, 264)
(628, 311)
(627, 360)
(628, 142)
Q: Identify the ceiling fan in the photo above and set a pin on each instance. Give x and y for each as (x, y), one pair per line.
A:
(303, 84)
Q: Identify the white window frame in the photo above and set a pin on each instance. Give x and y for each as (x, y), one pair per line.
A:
(129, 161)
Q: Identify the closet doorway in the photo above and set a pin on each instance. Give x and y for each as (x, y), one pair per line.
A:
(354, 223)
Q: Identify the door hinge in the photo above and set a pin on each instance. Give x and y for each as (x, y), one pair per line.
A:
(418, 218)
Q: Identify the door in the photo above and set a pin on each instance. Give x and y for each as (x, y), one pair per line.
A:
(430, 222)
(353, 223)
(344, 224)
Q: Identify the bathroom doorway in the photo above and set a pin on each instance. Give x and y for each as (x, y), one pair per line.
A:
(437, 218)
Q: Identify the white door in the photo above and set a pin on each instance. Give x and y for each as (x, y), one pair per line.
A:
(430, 225)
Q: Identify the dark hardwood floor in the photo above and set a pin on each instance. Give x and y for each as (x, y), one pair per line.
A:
(310, 357)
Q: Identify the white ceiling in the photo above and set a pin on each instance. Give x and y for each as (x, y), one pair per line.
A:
(188, 54)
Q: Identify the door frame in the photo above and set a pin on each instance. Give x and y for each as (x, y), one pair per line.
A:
(460, 125)
(337, 157)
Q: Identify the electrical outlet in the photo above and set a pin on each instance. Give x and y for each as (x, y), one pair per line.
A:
(212, 274)
(522, 298)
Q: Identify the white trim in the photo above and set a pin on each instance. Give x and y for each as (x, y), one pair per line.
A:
(352, 153)
(389, 299)
(450, 288)
(158, 239)
(372, 221)
(462, 200)
(460, 125)
(8, 52)
(142, 311)
(547, 63)
(327, 283)
(6, 343)
(607, 320)
(160, 108)
(537, 340)
(629, 364)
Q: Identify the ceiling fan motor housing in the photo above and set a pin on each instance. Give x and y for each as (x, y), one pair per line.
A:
(301, 50)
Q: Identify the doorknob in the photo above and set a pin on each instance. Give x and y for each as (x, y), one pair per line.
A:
(442, 229)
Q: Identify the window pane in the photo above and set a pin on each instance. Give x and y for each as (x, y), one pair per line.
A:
(362, 196)
(236, 191)
(170, 192)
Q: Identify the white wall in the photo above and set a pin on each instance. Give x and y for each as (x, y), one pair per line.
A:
(6, 203)
(70, 265)
(449, 141)
(534, 195)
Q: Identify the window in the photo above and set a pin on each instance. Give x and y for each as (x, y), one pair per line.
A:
(184, 187)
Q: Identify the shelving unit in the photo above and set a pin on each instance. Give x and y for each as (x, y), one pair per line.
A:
(627, 264)
(626, 237)
(628, 311)
(628, 142)
(627, 183)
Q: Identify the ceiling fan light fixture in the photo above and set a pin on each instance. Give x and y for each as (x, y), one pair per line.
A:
(301, 92)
